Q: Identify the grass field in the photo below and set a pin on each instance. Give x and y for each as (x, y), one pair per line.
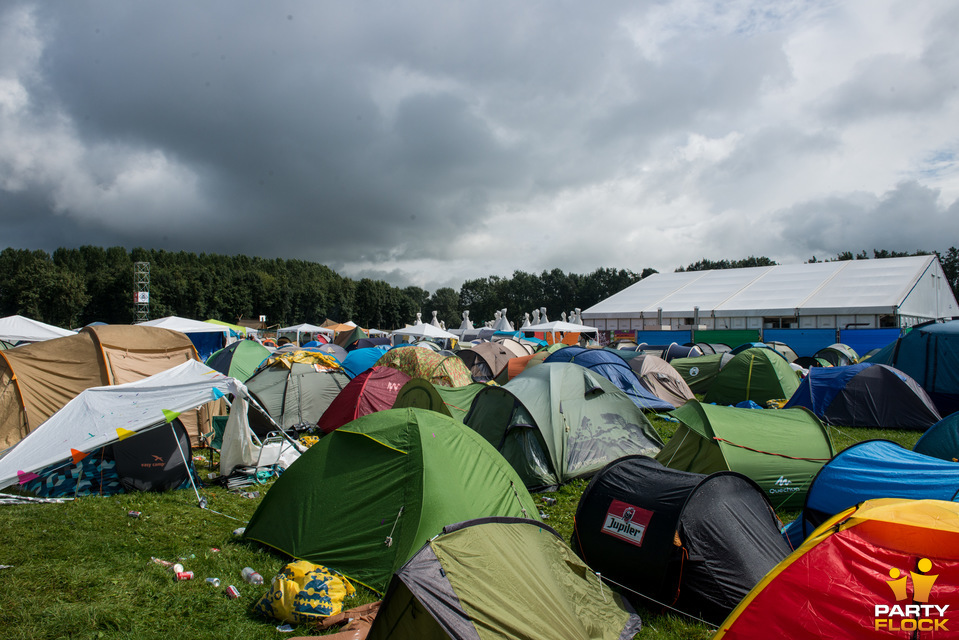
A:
(83, 569)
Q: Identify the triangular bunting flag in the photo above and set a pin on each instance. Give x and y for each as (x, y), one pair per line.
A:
(78, 455)
(217, 394)
(25, 477)
(124, 433)
(170, 415)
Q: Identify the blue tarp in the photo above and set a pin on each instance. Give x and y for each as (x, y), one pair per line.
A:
(862, 341)
(359, 360)
(805, 342)
(613, 368)
(872, 469)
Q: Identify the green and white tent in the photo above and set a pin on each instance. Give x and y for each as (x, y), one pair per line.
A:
(559, 421)
(366, 497)
(500, 578)
(781, 450)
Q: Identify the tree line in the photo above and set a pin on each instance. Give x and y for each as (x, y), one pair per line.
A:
(74, 287)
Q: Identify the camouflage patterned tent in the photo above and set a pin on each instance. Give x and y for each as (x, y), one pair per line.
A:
(416, 362)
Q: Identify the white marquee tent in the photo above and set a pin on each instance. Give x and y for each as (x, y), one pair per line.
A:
(890, 292)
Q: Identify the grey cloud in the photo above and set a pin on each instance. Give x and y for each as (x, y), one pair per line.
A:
(906, 218)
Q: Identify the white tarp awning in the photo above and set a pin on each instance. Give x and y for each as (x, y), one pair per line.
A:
(305, 328)
(558, 326)
(101, 415)
(21, 329)
(424, 331)
(186, 325)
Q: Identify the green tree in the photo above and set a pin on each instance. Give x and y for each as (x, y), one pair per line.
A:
(445, 302)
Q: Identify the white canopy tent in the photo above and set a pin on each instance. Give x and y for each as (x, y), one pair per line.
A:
(425, 331)
(305, 328)
(22, 329)
(186, 325)
(559, 326)
(102, 415)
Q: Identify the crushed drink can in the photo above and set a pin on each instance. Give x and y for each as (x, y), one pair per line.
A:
(240, 531)
(178, 568)
(134, 514)
(233, 592)
(214, 581)
(549, 501)
(183, 575)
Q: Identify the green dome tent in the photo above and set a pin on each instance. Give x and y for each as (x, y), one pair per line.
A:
(239, 360)
(755, 374)
(451, 401)
(366, 497)
(700, 372)
(558, 421)
(781, 450)
(500, 578)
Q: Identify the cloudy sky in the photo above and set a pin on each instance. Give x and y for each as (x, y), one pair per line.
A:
(430, 142)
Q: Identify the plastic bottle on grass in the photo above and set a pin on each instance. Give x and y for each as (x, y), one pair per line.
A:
(251, 576)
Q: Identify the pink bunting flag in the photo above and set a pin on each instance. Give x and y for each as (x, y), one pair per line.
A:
(25, 477)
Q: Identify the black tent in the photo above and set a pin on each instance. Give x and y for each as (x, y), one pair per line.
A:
(153, 460)
(693, 542)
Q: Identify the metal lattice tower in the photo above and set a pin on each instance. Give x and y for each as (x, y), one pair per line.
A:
(141, 291)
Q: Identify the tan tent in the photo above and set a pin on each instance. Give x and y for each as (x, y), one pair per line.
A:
(36, 380)
(661, 379)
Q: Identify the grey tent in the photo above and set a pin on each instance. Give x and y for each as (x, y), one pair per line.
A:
(294, 393)
(559, 421)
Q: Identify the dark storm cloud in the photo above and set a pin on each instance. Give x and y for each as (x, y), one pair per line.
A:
(437, 142)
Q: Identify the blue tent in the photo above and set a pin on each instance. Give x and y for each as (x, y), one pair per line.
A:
(872, 469)
(359, 360)
(941, 440)
(613, 368)
(930, 355)
(865, 395)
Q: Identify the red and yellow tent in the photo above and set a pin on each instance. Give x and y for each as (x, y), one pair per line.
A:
(887, 568)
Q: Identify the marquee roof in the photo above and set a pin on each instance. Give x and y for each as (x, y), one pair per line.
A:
(912, 285)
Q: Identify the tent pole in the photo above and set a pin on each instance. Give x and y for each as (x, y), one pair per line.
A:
(201, 502)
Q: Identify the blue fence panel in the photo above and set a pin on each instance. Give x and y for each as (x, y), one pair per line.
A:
(805, 342)
(663, 338)
(863, 341)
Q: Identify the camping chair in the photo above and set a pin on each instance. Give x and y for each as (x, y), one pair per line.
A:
(214, 439)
